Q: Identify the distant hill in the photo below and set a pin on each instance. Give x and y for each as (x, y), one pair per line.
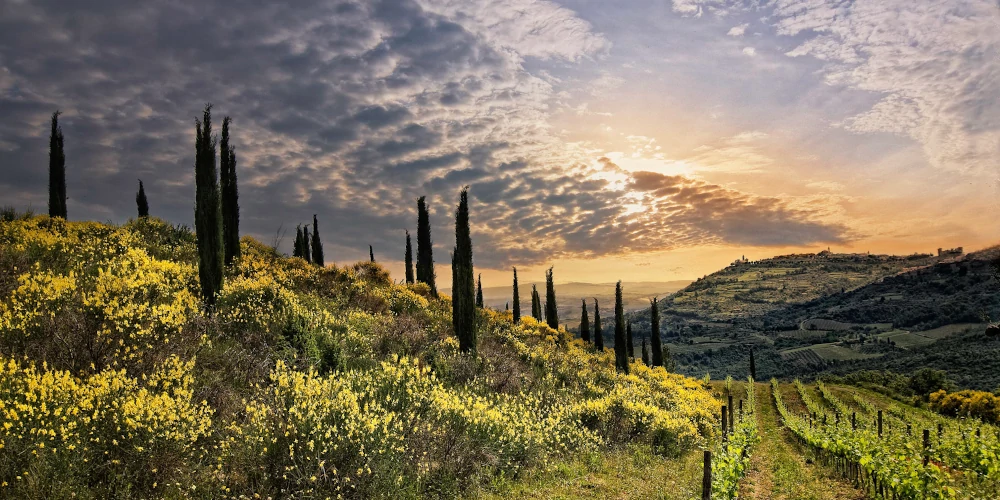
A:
(813, 313)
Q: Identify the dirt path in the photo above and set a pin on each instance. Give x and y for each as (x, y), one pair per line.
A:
(779, 468)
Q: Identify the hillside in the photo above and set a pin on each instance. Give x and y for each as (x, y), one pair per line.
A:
(753, 288)
(303, 382)
(875, 311)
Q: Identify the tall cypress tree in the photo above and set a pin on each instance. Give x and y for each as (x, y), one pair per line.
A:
(408, 260)
(463, 289)
(645, 353)
(425, 252)
(371, 253)
(297, 246)
(584, 322)
(57, 170)
(317, 245)
(208, 211)
(517, 300)
(598, 330)
(230, 204)
(551, 313)
(536, 305)
(621, 343)
(654, 333)
(628, 343)
(753, 366)
(479, 291)
(306, 252)
(141, 202)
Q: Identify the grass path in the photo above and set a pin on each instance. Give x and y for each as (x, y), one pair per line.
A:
(779, 469)
(625, 474)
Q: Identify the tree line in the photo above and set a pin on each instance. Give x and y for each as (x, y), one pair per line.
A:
(217, 235)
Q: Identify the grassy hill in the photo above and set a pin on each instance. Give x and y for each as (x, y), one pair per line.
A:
(303, 382)
(866, 312)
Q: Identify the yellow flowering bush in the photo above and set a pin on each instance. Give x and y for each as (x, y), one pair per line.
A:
(393, 427)
(309, 382)
(61, 431)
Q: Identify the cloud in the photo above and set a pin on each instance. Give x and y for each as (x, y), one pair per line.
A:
(750, 51)
(935, 66)
(696, 210)
(351, 110)
(738, 30)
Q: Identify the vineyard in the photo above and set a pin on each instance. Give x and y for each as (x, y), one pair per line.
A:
(891, 450)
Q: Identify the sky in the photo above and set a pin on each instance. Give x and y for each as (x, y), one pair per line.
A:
(641, 140)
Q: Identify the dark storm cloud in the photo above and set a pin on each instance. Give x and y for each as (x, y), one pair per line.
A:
(346, 109)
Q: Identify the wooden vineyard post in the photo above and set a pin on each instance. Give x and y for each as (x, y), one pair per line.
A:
(741, 410)
(725, 428)
(730, 401)
(880, 423)
(909, 429)
(706, 480)
(854, 421)
(940, 432)
(927, 446)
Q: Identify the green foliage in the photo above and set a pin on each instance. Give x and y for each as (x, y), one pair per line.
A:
(141, 202)
(598, 330)
(425, 251)
(517, 300)
(208, 211)
(463, 284)
(629, 341)
(316, 244)
(408, 260)
(551, 311)
(621, 343)
(536, 304)
(230, 195)
(654, 332)
(479, 291)
(731, 459)
(57, 170)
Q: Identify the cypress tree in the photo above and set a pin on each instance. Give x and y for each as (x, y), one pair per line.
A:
(621, 344)
(654, 324)
(317, 245)
(306, 253)
(753, 366)
(551, 313)
(230, 205)
(425, 253)
(628, 342)
(645, 353)
(371, 253)
(141, 202)
(517, 300)
(208, 211)
(536, 305)
(506, 306)
(463, 290)
(408, 260)
(57, 170)
(584, 322)
(479, 291)
(297, 246)
(598, 331)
